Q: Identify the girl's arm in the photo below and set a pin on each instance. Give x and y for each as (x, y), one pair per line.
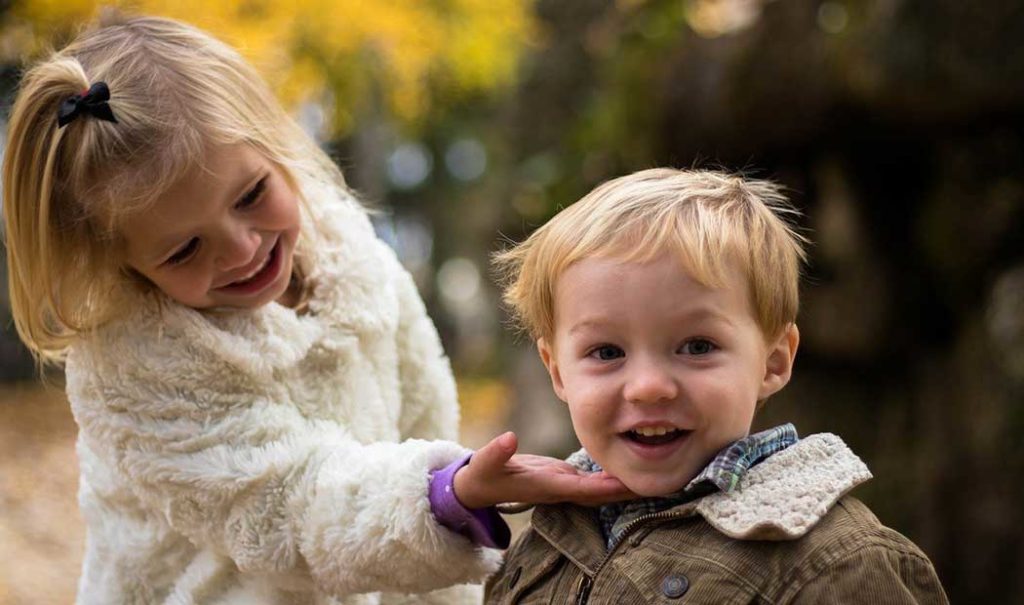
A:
(280, 494)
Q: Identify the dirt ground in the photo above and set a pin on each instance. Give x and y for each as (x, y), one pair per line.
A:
(41, 532)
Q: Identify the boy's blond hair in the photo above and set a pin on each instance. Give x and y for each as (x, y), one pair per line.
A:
(175, 92)
(705, 218)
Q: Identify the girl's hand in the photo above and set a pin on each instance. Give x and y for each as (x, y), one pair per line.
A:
(495, 475)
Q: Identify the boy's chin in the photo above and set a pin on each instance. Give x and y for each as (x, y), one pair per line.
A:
(652, 487)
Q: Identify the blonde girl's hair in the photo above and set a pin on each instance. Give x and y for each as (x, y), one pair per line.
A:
(176, 92)
(706, 218)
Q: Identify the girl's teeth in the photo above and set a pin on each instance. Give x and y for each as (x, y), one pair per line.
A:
(256, 270)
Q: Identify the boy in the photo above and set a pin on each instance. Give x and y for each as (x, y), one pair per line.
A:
(663, 306)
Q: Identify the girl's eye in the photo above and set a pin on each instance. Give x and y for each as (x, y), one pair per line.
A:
(253, 195)
(698, 346)
(607, 353)
(184, 253)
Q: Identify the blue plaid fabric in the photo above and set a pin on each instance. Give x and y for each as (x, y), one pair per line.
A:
(722, 474)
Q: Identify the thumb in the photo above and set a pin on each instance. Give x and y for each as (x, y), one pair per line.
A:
(495, 454)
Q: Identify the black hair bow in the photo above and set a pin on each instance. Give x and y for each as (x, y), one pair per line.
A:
(92, 102)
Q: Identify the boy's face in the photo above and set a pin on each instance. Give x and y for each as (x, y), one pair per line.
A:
(659, 372)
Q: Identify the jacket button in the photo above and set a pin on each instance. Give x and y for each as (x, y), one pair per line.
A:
(675, 586)
(514, 578)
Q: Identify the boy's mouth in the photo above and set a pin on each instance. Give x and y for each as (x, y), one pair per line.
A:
(654, 435)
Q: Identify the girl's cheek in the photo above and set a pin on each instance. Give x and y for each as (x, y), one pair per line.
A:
(273, 211)
(287, 207)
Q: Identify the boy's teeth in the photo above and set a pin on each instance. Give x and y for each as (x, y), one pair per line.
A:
(655, 435)
(653, 431)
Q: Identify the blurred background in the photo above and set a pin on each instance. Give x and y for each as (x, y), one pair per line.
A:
(897, 126)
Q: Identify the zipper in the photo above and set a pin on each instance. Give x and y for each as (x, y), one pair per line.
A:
(583, 589)
(585, 584)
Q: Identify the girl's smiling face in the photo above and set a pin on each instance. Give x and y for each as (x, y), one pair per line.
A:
(223, 236)
(660, 372)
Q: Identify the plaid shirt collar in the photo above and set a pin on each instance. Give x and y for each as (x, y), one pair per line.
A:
(722, 474)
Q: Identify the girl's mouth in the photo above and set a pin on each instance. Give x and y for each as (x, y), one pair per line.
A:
(262, 278)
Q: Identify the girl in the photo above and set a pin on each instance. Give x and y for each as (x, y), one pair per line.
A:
(254, 377)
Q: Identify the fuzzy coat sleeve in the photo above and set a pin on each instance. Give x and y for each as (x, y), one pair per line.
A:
(241, 470)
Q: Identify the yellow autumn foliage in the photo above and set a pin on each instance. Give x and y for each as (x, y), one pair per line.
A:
(401, 56)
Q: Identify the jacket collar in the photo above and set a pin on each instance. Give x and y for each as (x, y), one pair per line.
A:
(723, 473)
(780, 499)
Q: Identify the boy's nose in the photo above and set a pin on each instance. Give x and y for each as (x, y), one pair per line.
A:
(650, 382)
(237, 249)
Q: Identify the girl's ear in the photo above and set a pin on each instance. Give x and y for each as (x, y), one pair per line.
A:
(779, 362)
(547, 355)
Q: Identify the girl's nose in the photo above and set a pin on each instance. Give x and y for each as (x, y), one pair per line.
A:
(238, 246)
(650, 382)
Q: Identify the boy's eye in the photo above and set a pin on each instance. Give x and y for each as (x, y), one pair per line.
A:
(698, 346)
(607, 352)
(184, 253)
(253, 195)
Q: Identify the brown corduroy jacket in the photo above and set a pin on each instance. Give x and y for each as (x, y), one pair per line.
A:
(786, 534)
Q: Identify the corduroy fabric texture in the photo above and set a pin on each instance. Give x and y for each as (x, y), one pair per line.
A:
(787, 534)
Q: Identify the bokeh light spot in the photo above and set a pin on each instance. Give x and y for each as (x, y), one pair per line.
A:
(832, 17)
(409, 165)
(466, 159)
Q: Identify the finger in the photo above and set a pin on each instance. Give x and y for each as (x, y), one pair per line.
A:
(496, 453)
(540, 464)
(619, 495)
(581, 489)
(603, 489)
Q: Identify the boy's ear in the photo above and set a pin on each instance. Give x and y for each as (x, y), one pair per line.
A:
(547, 355)
(779, 363)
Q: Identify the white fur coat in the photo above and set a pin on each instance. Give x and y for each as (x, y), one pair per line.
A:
(267, 457)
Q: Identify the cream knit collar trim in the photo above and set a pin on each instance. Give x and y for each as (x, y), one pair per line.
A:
(786, 495)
